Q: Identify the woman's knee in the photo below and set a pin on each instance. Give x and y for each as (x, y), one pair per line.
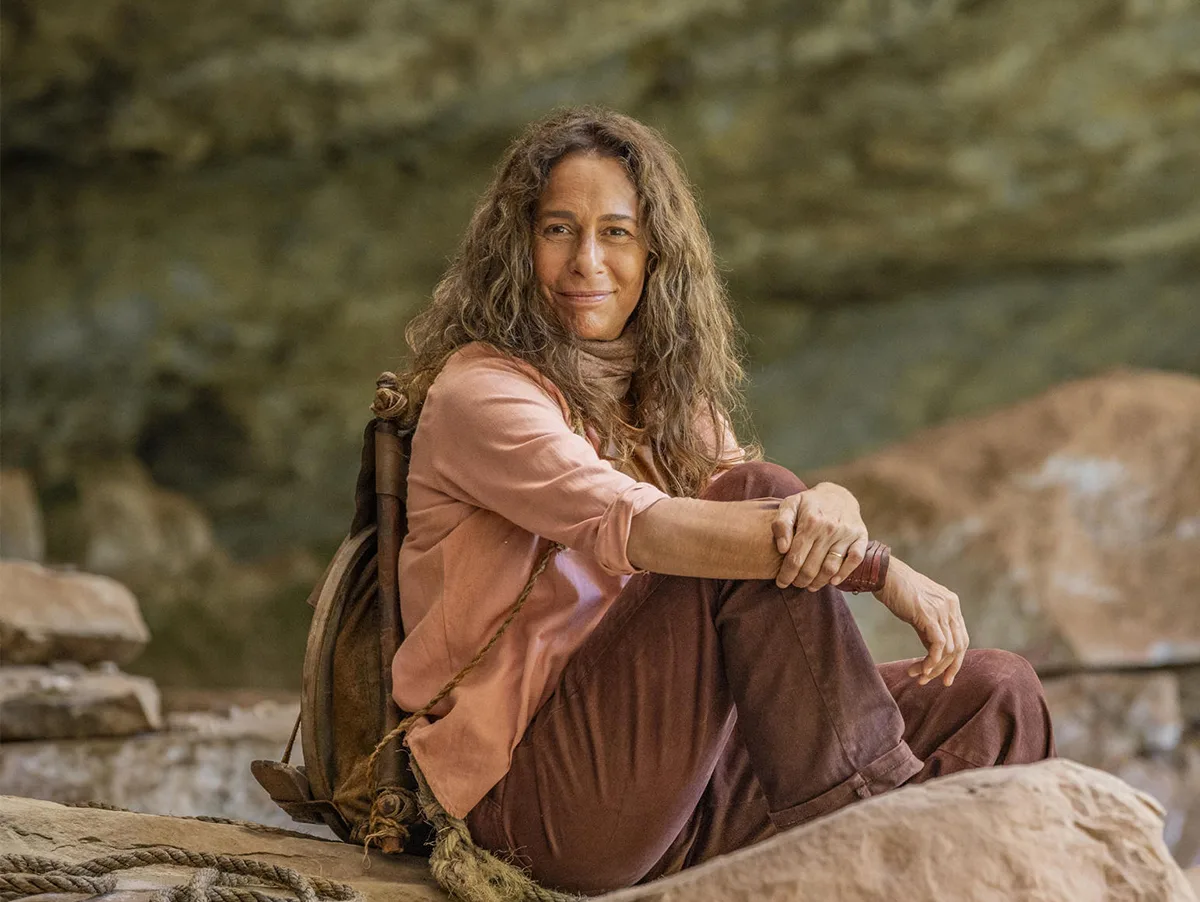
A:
(995, 672)
(754, 479)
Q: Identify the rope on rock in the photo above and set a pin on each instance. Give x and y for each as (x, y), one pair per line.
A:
(219, 878)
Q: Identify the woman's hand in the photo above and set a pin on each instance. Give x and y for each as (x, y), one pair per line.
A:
(822, 536)
(933, 611)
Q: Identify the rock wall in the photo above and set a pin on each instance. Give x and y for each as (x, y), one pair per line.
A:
(216, 221)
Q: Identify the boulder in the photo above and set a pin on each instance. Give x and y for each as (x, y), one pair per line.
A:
(51, 615)
(1069, 525)
(74, 703)
(989, 836)
(21, 532)
(1055, 832)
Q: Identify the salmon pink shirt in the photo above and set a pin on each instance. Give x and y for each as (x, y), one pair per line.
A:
(496, 474)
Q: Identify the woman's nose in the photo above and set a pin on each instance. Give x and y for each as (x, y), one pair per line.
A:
(589, 256)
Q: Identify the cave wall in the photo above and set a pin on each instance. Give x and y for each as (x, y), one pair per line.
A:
(217, 218)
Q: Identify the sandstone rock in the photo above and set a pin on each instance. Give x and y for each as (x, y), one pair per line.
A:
(74, 703)
(1017, 827)
(997, 834)
(1105, 719)
(51, 615)
(32, 827)
(1014, 827)
(1066, 524)
(21, 533)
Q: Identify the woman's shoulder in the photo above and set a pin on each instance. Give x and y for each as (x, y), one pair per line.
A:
(479, 370)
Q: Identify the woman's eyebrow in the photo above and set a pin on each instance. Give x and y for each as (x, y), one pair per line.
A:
(567, 214)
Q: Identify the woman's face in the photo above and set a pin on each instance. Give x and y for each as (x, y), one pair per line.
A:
(589, 253)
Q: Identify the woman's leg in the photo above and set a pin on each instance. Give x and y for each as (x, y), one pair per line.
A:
(613, 766)
(993, 713)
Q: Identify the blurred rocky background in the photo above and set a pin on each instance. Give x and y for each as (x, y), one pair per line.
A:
(963, 237)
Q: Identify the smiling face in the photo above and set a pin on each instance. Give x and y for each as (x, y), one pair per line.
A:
(589, 253)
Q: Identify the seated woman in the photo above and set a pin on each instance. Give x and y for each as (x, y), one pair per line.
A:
(685, 677)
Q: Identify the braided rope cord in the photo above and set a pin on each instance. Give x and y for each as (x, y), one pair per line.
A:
(219, 878)
(460, 867)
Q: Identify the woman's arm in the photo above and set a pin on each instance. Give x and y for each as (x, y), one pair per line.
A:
(715, 539)
(808, 540)
(735, 540)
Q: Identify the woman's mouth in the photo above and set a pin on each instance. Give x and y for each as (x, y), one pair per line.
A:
(583, 298)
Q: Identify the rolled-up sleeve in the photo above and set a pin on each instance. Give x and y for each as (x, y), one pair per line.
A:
(503, 444)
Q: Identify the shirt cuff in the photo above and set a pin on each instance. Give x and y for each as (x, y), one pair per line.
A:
(612, 536)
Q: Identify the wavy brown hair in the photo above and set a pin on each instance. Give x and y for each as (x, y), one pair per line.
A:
(688, 367)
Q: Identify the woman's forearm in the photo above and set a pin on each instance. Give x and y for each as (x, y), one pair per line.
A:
(713, 539)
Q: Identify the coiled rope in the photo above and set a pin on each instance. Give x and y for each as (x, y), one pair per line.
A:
(219, 878)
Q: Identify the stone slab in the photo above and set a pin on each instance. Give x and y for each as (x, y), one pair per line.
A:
(989, 836)
(49, 615)
(198, 765)
(35, 827)
(75, 703)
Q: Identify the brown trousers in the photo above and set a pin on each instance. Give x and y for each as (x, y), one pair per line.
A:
(703, 715)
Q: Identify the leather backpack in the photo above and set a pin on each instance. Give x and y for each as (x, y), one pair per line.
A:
(346, 705)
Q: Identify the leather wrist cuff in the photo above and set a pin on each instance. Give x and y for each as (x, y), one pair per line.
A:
(871, 574)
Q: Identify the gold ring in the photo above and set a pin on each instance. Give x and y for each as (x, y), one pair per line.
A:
(834, 554)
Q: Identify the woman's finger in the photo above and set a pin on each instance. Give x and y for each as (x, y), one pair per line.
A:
(783, 526)
(831, 564)
(949, 652)
(821, 545)
(789, 569)
(935, 642)
(964, 642)
(854, 556)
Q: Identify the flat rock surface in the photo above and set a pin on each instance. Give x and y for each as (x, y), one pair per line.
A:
(77, 834)
(74, 702)
(991, 835)
(1069, 524)
(51, 615)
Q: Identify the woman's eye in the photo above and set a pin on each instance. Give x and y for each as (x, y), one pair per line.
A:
(557, 229)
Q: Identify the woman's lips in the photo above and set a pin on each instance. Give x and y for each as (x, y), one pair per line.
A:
(583, 298)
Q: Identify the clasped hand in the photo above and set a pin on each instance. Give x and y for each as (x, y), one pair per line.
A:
(821, 534)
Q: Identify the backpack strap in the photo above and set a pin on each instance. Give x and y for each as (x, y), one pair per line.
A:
(390, 490)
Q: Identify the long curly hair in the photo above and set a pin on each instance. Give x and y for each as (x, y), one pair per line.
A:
(688, 370)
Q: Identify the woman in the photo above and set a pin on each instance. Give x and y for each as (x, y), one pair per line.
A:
(685, 677)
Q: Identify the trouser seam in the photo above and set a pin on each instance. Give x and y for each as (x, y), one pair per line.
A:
(800, 637)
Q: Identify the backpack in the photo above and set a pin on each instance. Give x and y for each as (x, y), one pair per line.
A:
(358, 777)
(346, 705)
